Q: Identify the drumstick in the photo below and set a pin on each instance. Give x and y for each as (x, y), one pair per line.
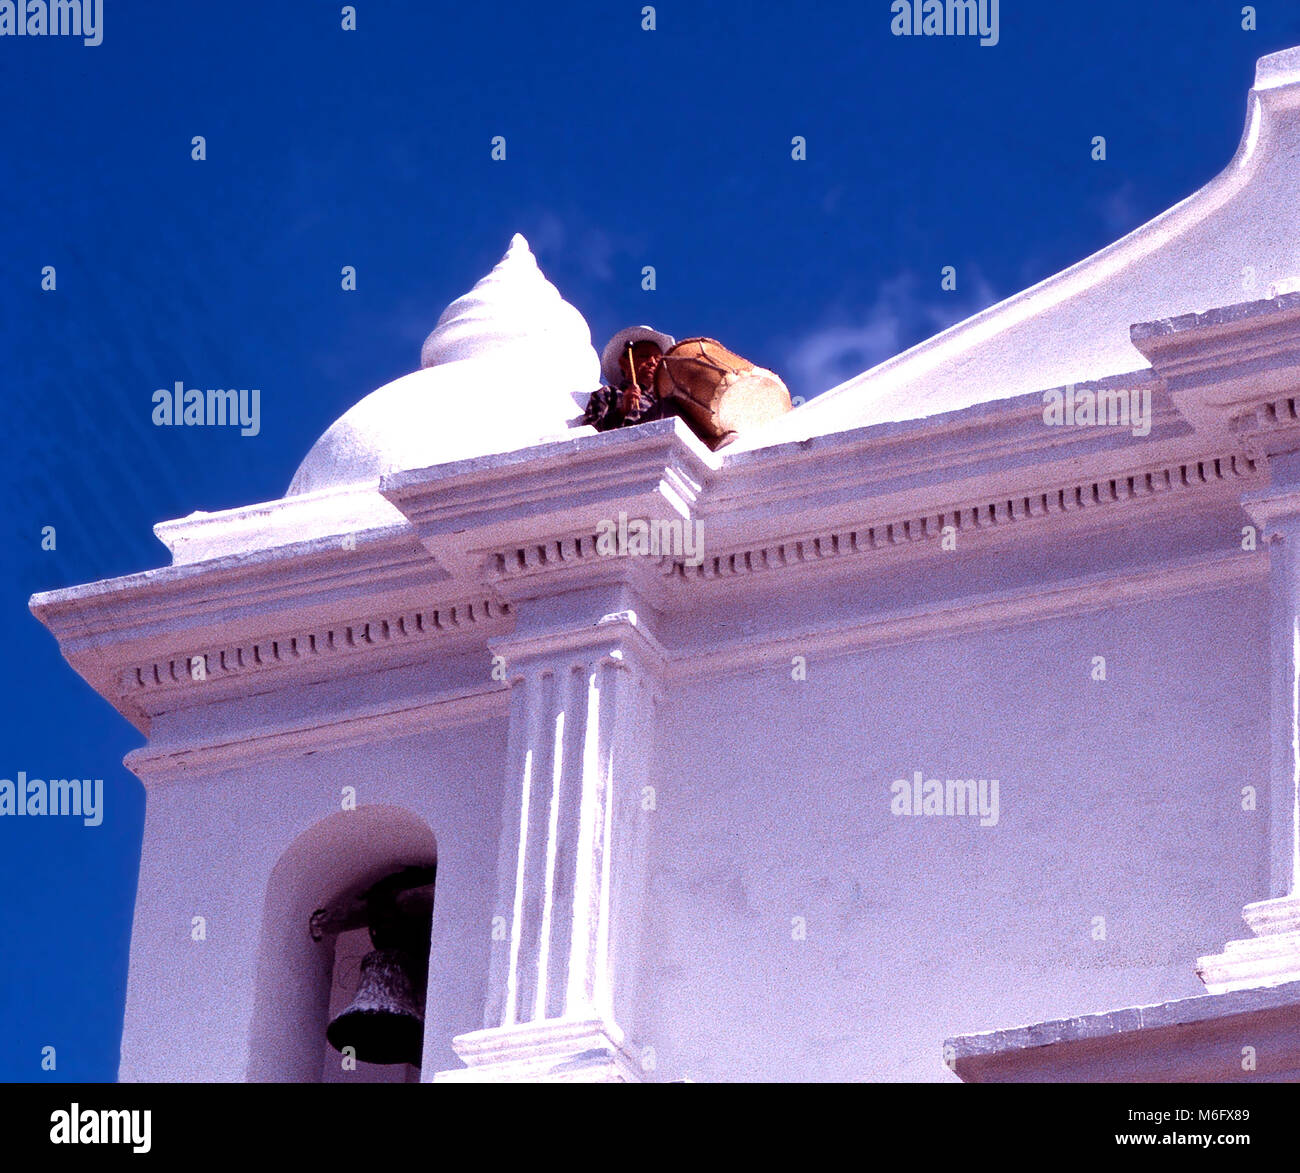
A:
(631, 366)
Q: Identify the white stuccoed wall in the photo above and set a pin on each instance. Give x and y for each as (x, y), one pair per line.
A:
(1118, 799)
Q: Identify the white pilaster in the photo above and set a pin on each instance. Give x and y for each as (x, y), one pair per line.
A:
(1272, 955)
(572, 860)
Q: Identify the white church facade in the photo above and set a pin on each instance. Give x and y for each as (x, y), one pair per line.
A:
(957, 748)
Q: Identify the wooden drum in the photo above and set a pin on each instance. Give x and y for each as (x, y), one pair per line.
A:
(718, 392)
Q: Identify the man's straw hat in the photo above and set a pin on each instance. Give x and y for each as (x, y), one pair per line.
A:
(617, 345)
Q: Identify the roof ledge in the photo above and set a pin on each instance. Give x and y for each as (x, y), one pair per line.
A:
(1234, 368)
(1278, 70)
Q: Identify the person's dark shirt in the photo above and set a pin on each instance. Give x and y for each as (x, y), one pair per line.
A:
(605, 408)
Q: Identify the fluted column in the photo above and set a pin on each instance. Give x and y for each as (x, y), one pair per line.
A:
(571, 866)
(1272, 955)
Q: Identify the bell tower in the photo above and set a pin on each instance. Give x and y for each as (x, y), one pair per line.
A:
(393, 772)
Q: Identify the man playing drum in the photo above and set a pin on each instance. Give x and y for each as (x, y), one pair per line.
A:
(651, 376)
(627, 400)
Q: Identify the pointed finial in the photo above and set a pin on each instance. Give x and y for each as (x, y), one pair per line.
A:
(509, 364)
(513, 304)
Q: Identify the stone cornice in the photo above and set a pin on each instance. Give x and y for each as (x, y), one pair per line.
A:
(493, 530)
(276, 609)
(274, 657)
(163, 604)
(574, 560)
(1219, 344)
(1234, 369)
(1269, 426)
(285, 578)
(1150, 485)
(1142, 486)
(503, 522)
(759, 647)
(925, 454)
(584, 476)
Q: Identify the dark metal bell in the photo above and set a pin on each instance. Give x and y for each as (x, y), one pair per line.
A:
(384, 1023)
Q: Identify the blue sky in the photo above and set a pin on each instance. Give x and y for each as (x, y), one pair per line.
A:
(371, 148)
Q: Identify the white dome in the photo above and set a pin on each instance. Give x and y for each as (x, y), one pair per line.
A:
(509, 364)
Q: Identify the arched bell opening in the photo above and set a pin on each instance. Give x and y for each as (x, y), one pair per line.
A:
(305, 977)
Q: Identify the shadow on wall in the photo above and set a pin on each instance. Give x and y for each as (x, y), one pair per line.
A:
(348, 850)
